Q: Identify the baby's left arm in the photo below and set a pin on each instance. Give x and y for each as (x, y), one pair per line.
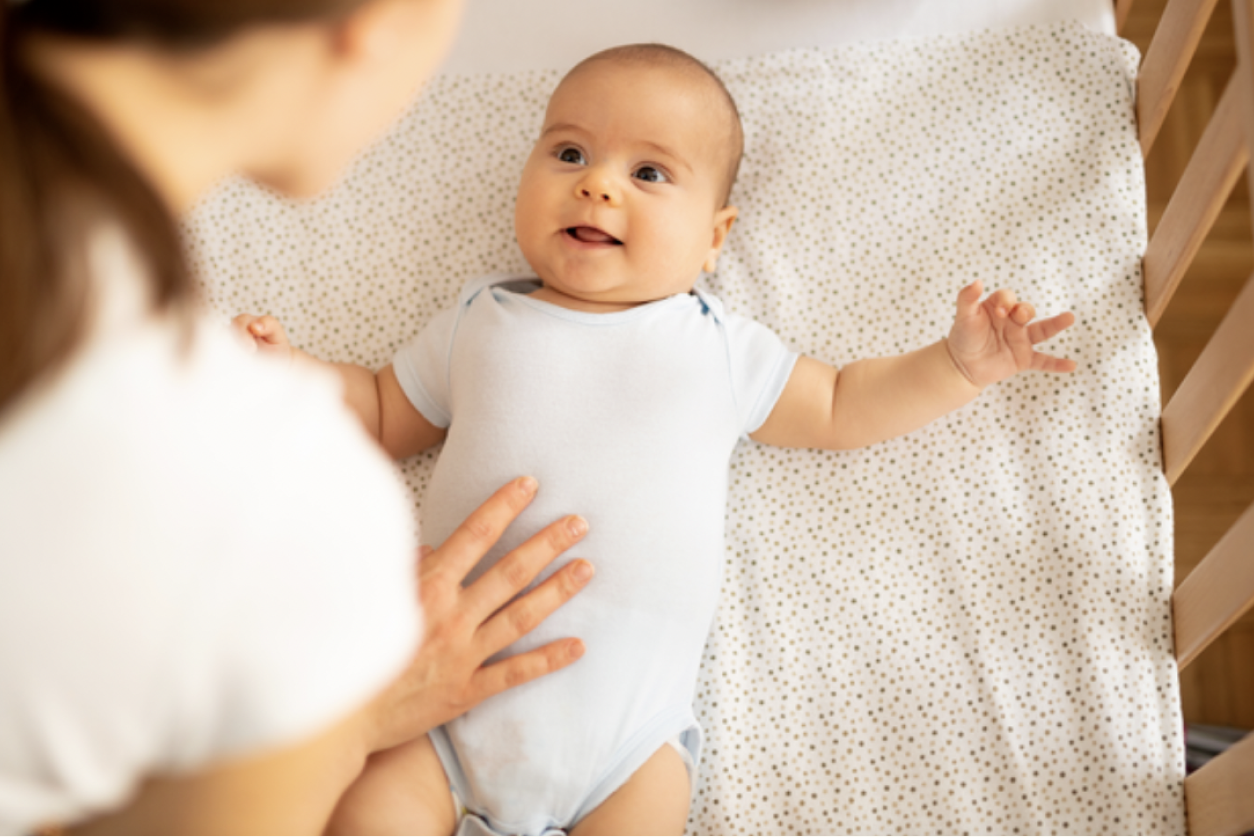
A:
(869, 401)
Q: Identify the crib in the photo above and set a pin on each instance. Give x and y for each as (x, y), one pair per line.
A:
(768, 772)
(1221, 588)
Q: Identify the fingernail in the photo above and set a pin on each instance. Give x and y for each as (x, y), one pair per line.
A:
(582, 571)
(575, 649)
(528, 485)
(577, 526)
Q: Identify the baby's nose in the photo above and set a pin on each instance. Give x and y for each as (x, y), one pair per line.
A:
(595, 193)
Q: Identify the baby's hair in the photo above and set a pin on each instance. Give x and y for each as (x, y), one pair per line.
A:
(668, 56)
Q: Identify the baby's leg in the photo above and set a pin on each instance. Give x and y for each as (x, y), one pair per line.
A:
(653, 801)
(402, 791)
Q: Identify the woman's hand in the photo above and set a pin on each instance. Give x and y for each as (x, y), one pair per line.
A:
(466, 626)
(992, 340)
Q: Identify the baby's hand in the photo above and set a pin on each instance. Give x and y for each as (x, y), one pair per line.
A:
(992, 340)
(263, 334)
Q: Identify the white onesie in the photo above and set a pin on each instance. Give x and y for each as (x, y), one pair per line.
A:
(628, 419)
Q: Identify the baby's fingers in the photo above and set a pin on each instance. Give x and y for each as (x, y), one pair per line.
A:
(268, 330)
(969, 299)
(241, 332)
(1001, 302)
(1022, 314)
(1042, 330)
(1042, 362)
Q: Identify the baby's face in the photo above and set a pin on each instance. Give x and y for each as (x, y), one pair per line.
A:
(621, 200)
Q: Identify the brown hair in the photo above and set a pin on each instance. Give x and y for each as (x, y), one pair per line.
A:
(61, 174)
(669, 56)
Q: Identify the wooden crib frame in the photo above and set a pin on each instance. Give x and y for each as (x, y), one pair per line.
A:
(1219, 797)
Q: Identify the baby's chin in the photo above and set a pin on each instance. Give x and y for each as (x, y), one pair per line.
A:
(608, 283)
(588, 297)
(620, 296)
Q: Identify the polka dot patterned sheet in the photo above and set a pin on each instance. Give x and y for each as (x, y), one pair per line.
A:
(966, 629)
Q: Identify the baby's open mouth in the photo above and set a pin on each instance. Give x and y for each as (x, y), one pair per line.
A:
(591, 235)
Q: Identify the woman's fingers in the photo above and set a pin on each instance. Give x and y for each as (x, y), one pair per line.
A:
(521, 616)
(510, 575)
(465, 626)
(521, 668)
(472, 540)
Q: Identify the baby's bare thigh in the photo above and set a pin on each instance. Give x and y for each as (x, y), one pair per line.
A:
(401, 791)
(653, 801)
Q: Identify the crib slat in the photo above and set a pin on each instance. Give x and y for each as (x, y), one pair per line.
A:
(1175, 40)
(1243, 32)
(1122, 8)
(1208, 180)
(1216, 593)
(1217, 797)
(1218, 378)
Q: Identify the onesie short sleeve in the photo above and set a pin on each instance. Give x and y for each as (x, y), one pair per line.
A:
(760, 365)
(422, 368)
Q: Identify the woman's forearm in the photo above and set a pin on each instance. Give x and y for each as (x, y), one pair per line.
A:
(289, 790)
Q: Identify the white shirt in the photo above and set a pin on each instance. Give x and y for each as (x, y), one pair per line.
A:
(201, 556)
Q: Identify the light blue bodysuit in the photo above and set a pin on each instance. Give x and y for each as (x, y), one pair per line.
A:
(628, 419)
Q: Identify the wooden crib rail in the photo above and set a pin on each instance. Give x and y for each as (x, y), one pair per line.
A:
(1175, 40)
(1218, 795)
(1205, 186)
(1217, 592)
(1122, 8)
(1220, 589)
(1211, 389)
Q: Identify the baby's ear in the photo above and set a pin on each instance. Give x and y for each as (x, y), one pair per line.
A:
(723, 220)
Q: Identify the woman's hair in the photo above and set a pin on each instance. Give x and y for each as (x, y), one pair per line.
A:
(62, 174)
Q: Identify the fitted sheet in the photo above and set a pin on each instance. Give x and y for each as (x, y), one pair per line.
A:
(966, 629)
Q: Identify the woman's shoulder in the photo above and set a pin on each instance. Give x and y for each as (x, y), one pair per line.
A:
(180, 405)
(204, 555)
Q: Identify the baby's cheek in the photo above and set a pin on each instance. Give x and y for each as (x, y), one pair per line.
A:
(527, 223)
(677, 253)
(528, 205)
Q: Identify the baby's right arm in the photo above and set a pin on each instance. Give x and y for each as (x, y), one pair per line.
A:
(377, 399)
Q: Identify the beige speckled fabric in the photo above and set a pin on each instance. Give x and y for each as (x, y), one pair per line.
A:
(963, 630)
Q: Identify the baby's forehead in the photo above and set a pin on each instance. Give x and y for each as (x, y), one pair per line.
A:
(675, 77)
(711, 117)
(665, 97)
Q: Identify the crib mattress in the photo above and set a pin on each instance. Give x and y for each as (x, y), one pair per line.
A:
(966, 629)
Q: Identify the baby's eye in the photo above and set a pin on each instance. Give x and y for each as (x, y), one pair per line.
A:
(650, 174)
(571, 155)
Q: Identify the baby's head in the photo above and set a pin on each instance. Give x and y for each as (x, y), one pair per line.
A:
(624, 197)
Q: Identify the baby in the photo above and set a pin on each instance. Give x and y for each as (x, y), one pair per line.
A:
(623, 390)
